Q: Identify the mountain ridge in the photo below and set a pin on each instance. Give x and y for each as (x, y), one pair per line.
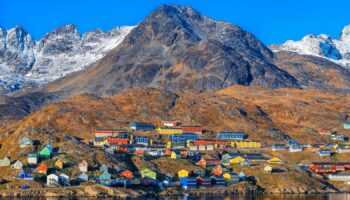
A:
(27, 63)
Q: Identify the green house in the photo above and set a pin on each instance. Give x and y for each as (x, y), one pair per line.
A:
(45, 153)
(147, 173)
(105, 176)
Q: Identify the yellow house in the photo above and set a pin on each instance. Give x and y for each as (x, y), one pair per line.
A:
(227, 176)
(268, 169)
(246, 144)
(237, 160)
(59, 164)
(182, 173)
(173, 155)
(275, 160)
(168, 145)
(169, 131)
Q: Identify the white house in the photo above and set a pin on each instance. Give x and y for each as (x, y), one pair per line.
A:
(83, 166)
(83, 177)
(17, 165)
(339, 177)
(5, 162)
(25, 142)
(32, 158)
(52, 180)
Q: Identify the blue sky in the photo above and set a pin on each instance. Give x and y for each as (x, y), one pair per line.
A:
(272, 21)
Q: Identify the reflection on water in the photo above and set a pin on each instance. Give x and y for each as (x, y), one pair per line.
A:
(258, 197)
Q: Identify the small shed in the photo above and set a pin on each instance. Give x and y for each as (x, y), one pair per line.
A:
(17, 165)
(5, 162)
(147, 173)
(182, 173)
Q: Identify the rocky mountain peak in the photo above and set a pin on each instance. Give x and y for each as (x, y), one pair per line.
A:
(345, 34)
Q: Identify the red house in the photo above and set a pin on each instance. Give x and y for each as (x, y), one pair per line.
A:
(114, 140)
(127, 174)
(192, 129)
(42, 168)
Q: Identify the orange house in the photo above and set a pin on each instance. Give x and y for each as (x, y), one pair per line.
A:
(217, 171)
(167, 152)
(42, 168)
(202, 163)
(127, 174)
(139, 152)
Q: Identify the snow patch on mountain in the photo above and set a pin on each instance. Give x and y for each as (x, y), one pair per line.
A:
(26, 63)
(336, 50)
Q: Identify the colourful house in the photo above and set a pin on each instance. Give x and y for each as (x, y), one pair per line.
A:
(202, 163)
(17, 165)
(169, 131)
(136, 126)
(42, 168)
(182, 173)
(59, 164)
(217, 171)
(227, 177)
(173, 155)
(147, 173)
(127, 174)
(346, 125)
(25, 142)
(105, 176)
(45, 152)
(237, 160)
(246, 144)
(100, 142)
(268, 169)
(83, 177)
(32, 158)
(26, 174)
(5, 162)
(231, 135)
(83, 166)
(275, 160)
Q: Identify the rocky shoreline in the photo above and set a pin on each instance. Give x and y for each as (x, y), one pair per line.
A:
(103, 191)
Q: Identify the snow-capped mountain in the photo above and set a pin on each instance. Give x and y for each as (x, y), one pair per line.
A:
(26, 63)
(336, 50)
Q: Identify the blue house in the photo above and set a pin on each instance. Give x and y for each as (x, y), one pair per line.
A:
(187, 182)
(218, 181)
(184, 136)
(278, 147)
(292, 142)
(324, 152)
(136, 126)
(231, 135)
(83, 177)
(142, 140)
(26, 174)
